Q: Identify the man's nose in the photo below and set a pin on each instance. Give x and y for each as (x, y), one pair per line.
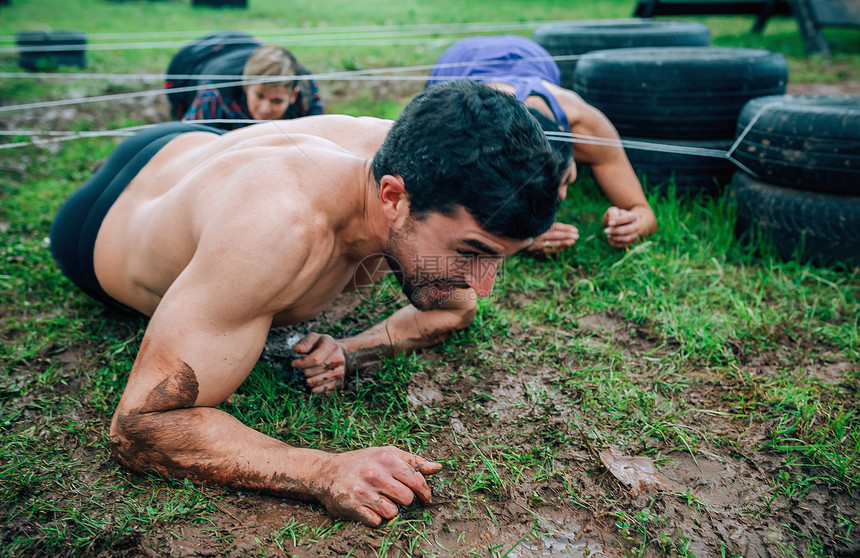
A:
(483, 276)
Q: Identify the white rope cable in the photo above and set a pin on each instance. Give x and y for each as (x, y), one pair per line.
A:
(52, 132)
(227, 121)
(749, 126)
(368, 38)
(112, 97)
(663, 147)
(439, 28)
(356, 75)
(331, 76)
(151, 92)
(555, 136)
(66, 136)
(142, 46)
(636, 144)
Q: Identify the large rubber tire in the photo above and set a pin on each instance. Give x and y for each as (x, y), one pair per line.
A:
(806, 142)
(678, 92)
(692, 174)
(578, 37)
(823, 227)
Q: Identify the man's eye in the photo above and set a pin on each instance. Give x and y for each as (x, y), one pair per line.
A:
(468, 254)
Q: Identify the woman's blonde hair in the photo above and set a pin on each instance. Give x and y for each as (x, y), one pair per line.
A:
(273, 60)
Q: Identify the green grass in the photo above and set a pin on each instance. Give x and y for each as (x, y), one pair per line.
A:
(709, 329)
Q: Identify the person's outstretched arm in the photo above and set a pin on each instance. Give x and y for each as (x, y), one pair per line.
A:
(202, 341)
(630, 218)
(408, 329)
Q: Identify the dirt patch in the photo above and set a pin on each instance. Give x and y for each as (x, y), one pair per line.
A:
(100, 116)
(561, 501)
(346, 92)
(846, 87)
(152, 109)
(721, 494)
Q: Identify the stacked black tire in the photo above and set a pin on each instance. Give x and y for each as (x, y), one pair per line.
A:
(45, 50)
(660, 84)
(679, 96)
(578, 37)
(805, 196)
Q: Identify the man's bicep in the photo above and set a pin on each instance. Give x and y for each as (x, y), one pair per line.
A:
(192, 364)
(609, 163)
(201, 341)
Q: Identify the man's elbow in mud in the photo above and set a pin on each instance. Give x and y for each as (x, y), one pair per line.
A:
(129, 442)
(138, 440)
(151, 428)
(160, 441)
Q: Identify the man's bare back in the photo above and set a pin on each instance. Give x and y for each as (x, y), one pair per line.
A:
(219, 238)
(264, 175)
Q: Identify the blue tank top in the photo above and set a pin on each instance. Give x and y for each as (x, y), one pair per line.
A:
(510, 59)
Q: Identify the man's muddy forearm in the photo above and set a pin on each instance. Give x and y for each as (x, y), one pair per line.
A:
(406, 330)
(209, 446)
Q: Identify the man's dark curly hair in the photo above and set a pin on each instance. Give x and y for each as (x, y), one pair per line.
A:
(464, 143)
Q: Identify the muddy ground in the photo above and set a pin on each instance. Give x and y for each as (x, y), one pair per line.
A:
(846, 87)
(713, 496)
(718, 500)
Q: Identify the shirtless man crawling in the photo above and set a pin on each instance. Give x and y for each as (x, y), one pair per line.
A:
(220, 236)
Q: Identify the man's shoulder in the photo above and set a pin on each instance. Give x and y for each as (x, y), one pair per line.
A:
(339, 126)
(265, 227)
(351, 132)
(279, 184)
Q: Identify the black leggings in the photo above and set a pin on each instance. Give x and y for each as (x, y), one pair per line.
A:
(77, 223)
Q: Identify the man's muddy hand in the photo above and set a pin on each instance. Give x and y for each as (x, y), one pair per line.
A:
(558, 238)
(324, 363)
(367, 485)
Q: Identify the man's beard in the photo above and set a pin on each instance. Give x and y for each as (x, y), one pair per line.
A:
(420, 295)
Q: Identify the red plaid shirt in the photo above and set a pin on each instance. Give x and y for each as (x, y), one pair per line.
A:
(210, 104)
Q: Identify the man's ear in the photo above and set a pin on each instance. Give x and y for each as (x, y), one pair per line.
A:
(295, 95)
(395, 200)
